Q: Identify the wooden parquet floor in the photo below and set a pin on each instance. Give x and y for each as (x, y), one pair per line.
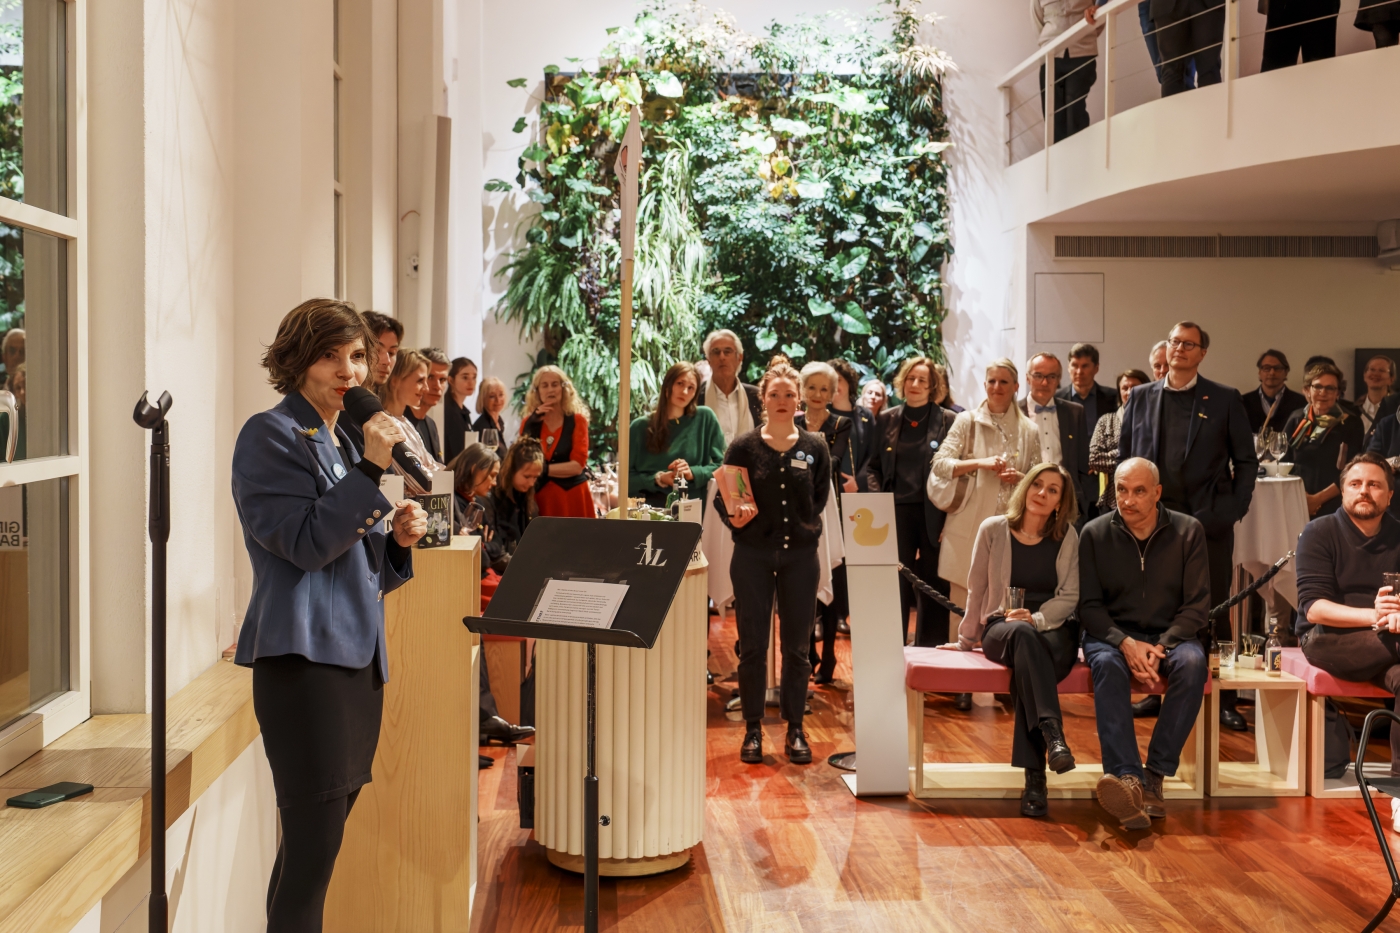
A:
(788, 849)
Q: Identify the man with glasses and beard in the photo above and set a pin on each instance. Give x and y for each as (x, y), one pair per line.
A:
(1197, 433)
(1348, 622)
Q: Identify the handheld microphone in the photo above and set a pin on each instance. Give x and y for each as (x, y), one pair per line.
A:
(362, 405)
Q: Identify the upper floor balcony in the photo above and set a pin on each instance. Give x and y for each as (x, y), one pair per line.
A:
(1318, 141)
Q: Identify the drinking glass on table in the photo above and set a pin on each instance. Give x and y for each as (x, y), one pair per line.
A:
(1226, 650)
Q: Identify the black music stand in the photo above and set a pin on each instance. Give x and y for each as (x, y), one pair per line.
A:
(650, 557)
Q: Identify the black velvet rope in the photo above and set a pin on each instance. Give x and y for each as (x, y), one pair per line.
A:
(1219, 610)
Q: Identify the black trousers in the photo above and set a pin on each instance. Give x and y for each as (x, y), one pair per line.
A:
(758, 575)
(1038, 662)
(1313, 40)
(1188, 37)
(1360, 655)
(311, 837)
(486, 702)
(830, 614)
(919, 554)
(1073, 79)
(1220, 557)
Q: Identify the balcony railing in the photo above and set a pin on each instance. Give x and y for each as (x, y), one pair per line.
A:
(1127, 70)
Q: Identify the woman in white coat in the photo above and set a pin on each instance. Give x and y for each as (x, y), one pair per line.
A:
(986, 453)
(1034, 548)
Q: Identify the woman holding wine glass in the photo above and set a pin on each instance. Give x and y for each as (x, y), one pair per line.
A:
(490, 426)
(559, 421)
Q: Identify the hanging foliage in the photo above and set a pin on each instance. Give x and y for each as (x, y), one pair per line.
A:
(793, 190)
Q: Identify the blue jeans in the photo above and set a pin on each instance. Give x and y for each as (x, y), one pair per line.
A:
(1185, 671)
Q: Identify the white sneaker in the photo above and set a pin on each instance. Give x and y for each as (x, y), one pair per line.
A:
(1395, 813)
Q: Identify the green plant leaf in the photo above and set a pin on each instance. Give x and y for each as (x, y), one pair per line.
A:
(668, 85)
(539, 195)
(923, 230)
(551, 69)
(794, 351)
(797, 128)
(535, 152)
(765, 340)
(860, 257)
(498, 184)
(516, 82)
(820, 308)
(888, 206)
(853, 319)
(520, 125)
(919, 251)
(813, 189)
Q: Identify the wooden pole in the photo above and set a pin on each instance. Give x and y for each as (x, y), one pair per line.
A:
(628, 169)
(624, 388)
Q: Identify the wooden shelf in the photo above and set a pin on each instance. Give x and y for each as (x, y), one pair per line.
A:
(56, 863)
(1280, 731)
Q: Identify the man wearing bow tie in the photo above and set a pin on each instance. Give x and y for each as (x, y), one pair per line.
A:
(1063, 437)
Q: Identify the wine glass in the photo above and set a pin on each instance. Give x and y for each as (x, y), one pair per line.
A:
(1278, 444)
(1261, 443)
(471, 518)
(490, 437)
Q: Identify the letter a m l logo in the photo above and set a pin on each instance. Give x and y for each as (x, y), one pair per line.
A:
(651, 557)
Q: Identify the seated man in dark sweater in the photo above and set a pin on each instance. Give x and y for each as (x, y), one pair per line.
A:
(1341, 600)
(1144, 592)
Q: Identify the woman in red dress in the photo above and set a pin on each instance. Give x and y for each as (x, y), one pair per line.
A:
(560, 421)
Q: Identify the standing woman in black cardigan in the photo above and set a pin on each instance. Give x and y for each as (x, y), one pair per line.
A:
(775, 551)
(906, 438)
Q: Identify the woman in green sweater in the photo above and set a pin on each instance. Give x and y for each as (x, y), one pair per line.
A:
(677, 439)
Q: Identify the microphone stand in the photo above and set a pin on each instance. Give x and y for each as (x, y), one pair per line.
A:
(153, 419)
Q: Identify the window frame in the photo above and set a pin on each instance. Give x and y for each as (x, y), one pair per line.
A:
(33, 731)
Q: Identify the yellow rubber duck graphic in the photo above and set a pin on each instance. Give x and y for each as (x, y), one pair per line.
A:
(864, 535)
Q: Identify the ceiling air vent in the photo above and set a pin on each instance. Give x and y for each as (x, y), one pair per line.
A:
(1213, 247)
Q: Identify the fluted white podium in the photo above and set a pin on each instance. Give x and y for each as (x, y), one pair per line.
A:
(651, 743)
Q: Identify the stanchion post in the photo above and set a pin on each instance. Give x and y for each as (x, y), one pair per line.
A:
(590, 802)
(152, 418)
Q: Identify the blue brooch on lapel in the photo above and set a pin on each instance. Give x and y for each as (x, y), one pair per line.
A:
(339, 470)
(933, 445)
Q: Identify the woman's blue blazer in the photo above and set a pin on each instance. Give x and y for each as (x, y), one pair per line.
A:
(315, 535)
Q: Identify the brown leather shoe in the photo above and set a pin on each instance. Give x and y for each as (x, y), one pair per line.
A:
(1153, 804)
(1122, 799)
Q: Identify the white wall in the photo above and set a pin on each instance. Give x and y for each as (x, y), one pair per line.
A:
(985, 37)
(1300, 306)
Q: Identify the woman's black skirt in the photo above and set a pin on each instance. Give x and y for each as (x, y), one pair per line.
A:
(320, 726)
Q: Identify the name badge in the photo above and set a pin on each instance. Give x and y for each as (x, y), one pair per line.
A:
(339, 469)
(799, 464)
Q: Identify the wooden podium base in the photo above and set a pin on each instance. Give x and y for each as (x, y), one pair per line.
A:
(621, 867)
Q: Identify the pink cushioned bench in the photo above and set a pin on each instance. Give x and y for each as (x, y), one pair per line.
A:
(1320, 685)
(935, 670)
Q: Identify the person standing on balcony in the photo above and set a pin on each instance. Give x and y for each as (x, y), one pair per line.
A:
(1149, 38)
(1076, 67)
(1189, 33)
(1292, 27)
(1382, 19)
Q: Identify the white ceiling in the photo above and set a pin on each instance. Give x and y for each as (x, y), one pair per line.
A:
(1362, 185)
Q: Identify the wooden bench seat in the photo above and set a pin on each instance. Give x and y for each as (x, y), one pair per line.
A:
(935, 670)
(1320, 685)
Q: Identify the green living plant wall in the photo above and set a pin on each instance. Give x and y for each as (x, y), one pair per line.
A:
(793, 190)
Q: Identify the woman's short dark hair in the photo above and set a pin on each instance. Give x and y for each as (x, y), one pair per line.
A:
(379, 323)
(1141, 377)
(306, 333)
(846, 371)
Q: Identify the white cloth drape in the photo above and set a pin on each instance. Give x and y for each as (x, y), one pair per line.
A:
(1277, 514)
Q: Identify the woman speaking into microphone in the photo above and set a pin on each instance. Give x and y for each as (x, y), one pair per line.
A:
(313, 523)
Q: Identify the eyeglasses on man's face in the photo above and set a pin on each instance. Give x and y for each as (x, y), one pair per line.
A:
(1271, 368)
(1187, 345)
(1043, 377)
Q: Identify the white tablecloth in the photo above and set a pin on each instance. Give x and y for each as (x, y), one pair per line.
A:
(718, 545)
(1276, 518)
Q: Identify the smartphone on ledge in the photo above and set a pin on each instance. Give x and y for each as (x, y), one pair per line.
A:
(54, 793)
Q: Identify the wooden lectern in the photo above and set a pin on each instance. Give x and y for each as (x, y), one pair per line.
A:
(408, 862)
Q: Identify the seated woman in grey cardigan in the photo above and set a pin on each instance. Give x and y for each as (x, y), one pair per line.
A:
(1032, 547)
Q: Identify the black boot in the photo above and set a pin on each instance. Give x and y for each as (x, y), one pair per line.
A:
(752, 751)
(1035, 798)
(962, 701)
(796, 747)
(1149, 705)
(1057, 752)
